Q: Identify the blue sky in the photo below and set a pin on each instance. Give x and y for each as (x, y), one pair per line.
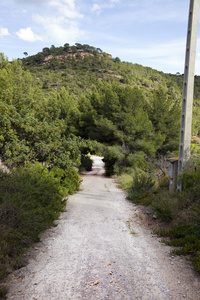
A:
(148, 32)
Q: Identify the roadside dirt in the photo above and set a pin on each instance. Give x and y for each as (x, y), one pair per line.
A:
(100, 250)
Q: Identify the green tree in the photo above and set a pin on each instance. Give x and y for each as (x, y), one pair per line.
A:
(31, 126)
(116, 116)
(164, 113)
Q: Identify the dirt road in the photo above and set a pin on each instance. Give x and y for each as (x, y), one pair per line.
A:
(99, 251)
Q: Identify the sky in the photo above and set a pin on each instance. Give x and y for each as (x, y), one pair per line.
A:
(147, 32)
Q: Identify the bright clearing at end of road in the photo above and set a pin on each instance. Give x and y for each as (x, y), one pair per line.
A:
(98, 166)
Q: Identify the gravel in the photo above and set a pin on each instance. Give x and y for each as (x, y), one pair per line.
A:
(100, 250)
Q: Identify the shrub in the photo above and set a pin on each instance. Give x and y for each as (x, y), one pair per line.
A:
(125, 181)
(184, 209)
(196, 261)
(164, 182)
(31, 198)
(113, 158)
(164, 206)
(86, 163)
(72, 181)
(69, 180)
(136, 160)
(189, 179)
(142, 182)
(187, 238)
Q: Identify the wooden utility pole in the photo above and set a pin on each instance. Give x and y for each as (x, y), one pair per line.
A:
(188, 90)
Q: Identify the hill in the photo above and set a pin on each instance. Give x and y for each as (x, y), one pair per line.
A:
(87, 95)
(79, 67)
(86, 63)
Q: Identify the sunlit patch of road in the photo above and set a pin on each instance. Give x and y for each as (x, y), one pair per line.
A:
(98, 166)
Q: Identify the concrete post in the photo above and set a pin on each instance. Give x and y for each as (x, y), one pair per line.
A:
(173, 171)
(188, 89)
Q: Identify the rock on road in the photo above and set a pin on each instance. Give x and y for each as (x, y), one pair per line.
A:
(100, 251)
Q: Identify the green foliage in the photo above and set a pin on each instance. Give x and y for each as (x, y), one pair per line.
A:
(187, 239)
(86, 163)
(31, 198)
(190, 180)
(72, 181)
(69, 179)
(55, 110)
(181, 210)
(92, 147)
(164, 113)
(184, 210)
(191, 187)
(196, 261)
(90, 100)
(136, 160)
(142, 182)
(117, 116)
(34, 128)
(164, 182)
(113, 158)
(125, 181)
(164, 206)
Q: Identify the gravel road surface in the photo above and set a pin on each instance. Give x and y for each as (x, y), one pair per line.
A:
(99, 250)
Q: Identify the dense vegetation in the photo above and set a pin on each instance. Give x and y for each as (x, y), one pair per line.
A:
(178, 214)
(31, 198)
(63, 103)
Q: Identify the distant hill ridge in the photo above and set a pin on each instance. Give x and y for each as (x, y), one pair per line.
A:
(78, 51)
(79, 54)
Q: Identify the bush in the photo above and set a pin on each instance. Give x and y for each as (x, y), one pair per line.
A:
(142, 182)
(113, 158)
(187, 238)
(196, 261)
(184, 209)
(125, 181)
(31, 198)
(165, 206)
(190, 179)
(164, 182)
(70, 179)
(136, 160)
(86, 163)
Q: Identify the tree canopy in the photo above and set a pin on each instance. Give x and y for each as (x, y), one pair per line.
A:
(51, 108)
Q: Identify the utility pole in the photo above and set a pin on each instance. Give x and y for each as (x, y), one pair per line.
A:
(188, 90)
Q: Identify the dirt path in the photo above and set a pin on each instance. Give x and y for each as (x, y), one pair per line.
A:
(99, 251)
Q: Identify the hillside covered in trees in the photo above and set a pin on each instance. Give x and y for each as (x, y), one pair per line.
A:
(66, 101)
(63, 103)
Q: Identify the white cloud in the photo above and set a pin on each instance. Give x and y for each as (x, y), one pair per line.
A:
(66, 8)
(96, 8)
(69, 3)
(63, 35)
(28, 35)
(113, 3)
(60, 24)
(99, 8)
(59, 29)
(3, 32)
